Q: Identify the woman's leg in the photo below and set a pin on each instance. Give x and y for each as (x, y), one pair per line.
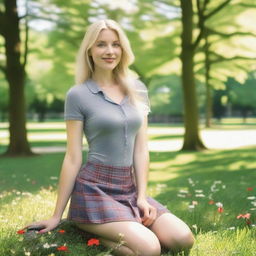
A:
(138, 240)
(173, 233)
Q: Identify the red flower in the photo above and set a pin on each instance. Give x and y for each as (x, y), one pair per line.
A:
(211, 202)
(250, 189)
(93, 241)
(62, 248)
(220, 209)
(61, 231)
(244, 216)
(22, 231)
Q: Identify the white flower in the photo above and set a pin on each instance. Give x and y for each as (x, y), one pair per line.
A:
(181, 195)
(199, 191)
(199, 195)
(183, 191)
(191, 206)
(231, 228)
(219, 204)
(194, 203)
(253, 203)
(251, 197)
(47, 246)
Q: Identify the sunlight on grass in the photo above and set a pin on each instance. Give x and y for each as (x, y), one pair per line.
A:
(208, 190)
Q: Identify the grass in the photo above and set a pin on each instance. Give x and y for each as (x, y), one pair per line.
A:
(185, 182)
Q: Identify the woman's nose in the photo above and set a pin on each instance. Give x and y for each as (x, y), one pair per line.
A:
(110, 49)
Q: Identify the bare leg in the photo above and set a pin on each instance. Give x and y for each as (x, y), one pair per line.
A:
(138, 240)
(173, 233)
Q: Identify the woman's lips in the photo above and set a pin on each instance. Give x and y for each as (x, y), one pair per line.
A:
(109, 60)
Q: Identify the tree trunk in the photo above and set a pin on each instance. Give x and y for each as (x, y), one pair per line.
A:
(192, 139)
(15, 74)
(208, 110)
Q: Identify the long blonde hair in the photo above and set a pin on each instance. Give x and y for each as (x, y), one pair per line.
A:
(122, 74)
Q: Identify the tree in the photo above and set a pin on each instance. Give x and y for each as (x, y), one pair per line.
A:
(192, 140)
(14, 71)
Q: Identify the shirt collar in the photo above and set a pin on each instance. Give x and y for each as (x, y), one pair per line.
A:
(93, 87)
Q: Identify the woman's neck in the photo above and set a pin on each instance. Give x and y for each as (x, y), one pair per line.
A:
(104, 78)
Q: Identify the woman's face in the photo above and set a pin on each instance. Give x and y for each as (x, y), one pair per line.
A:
(106, 52)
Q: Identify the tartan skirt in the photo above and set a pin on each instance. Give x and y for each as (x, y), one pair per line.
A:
(105, 193)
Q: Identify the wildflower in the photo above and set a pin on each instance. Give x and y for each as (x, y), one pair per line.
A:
(191, 206)
(93, 241)
(253, 203)
(181, 195)
(195, 227)
(61, 231)
(200, 195)
(244, 216)
(251, 197)
(194, 203)
(199, 191)
(211, 202)
(220, 209)
(250, 189)
(22, 231)
(183, 191)
(219, 204)
(46, 246)
(62, 248)
(121, 235)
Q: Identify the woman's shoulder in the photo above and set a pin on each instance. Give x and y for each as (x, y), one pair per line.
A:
(139, 85)
(77, 90)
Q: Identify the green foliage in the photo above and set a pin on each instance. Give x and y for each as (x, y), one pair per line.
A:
(166, 95)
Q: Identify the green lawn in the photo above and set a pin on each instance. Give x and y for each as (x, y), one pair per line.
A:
(190, 184)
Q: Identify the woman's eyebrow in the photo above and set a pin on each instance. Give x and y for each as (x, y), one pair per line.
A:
(102, 41)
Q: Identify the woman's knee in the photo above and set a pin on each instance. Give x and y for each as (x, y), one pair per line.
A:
(181, 241)
(148, 249)
(136, 237)
(146, 244)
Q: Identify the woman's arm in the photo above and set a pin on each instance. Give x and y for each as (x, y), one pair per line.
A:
(141, 159)
(141, 166)
(71, 165)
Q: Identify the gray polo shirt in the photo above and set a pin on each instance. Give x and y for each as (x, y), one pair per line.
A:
(110, 128)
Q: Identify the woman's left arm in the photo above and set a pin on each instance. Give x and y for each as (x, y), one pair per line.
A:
(141, 166)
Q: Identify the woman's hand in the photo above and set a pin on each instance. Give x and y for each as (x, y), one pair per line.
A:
(46, 224)
(149, 212)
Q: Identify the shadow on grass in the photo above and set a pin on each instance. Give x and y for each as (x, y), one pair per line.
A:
(221, 176)
(166, 137)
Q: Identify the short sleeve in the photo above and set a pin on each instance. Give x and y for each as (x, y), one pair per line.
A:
(72, 107)
(143, 93)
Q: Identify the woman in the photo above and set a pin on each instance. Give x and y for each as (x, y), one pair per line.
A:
(108, 192)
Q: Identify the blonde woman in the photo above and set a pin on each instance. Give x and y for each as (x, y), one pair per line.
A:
(108, 191)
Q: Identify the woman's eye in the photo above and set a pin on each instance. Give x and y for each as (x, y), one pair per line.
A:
(116, 45)
(100, 44)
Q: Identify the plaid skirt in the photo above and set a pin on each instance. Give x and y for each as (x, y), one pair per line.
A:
(104, 193)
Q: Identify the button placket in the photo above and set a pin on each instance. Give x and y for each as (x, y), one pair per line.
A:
(125, 132)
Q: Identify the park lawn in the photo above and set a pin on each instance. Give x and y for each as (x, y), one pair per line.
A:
(189, 184)
(179, 180)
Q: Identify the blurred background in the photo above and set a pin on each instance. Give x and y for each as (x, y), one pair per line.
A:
(197, 59)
